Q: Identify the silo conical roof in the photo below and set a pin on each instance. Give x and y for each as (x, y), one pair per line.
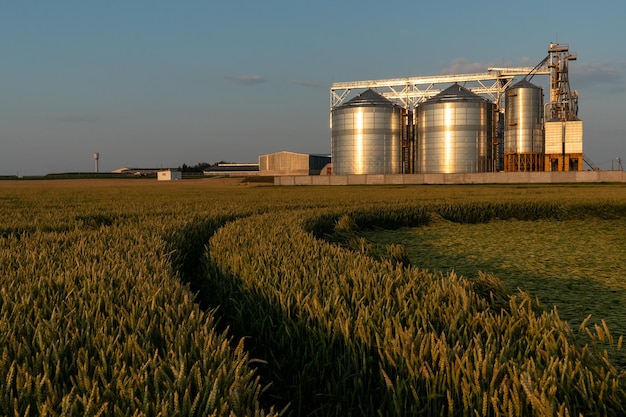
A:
(368, 97)
(456, 92)
(524, 84)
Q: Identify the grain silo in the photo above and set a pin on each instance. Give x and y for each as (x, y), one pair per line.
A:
(523, 128)
(366, 136)
(455, 133)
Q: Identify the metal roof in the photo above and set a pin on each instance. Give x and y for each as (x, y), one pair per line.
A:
(456, 92)
(524, 84)
(369, 97)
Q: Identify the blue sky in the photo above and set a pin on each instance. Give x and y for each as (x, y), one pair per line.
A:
(162, 83)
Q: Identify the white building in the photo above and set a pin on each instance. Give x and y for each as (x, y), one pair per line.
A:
(169, 175)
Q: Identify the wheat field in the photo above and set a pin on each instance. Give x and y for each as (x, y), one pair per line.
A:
(219, 297)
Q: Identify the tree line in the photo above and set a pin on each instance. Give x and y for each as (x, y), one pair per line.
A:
(199, 167)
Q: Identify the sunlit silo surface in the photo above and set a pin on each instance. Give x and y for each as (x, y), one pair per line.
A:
(455, 133)
(523, 128)
(366, 136)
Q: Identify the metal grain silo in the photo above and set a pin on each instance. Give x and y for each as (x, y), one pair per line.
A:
(366, 136)
(455, 133)
(523, 128)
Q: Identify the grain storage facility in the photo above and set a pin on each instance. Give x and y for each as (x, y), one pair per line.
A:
(563, 129)
(523, 128)
(366, 136)
(455, 131)
(459, 123)
(564, 145)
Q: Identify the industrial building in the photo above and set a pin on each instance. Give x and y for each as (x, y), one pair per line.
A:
(292, 163)
(459, 124)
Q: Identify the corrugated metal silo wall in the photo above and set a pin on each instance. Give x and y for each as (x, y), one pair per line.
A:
(456, 137)
(367, 140)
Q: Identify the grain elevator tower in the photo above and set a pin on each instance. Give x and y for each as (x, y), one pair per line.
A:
(563, 128)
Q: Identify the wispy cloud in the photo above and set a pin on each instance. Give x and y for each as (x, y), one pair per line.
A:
(590, 74)
(463, 66)
(244, 79)
(605, 76)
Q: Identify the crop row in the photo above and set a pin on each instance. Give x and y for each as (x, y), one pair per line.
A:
(345, 334)
(94, 321)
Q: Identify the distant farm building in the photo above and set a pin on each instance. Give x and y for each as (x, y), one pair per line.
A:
(169, 175)
(138, 172)
(291, 163)
(233, 169)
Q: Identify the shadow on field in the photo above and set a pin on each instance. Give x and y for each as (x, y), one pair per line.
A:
(303, 367)
(309, 370)
(575, 298)
(186, 247)
(304, 364)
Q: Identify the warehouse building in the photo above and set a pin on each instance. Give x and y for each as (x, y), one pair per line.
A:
(292, 163)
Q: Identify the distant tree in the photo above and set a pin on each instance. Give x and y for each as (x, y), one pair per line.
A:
(199, 167)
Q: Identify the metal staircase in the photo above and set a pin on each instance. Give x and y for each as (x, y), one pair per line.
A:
(590, 163)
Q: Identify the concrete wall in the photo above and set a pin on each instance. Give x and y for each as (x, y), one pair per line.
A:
(479, 178)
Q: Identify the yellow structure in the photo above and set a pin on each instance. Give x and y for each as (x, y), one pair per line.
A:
(564, 145)
(523, 162)
(169, 175)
